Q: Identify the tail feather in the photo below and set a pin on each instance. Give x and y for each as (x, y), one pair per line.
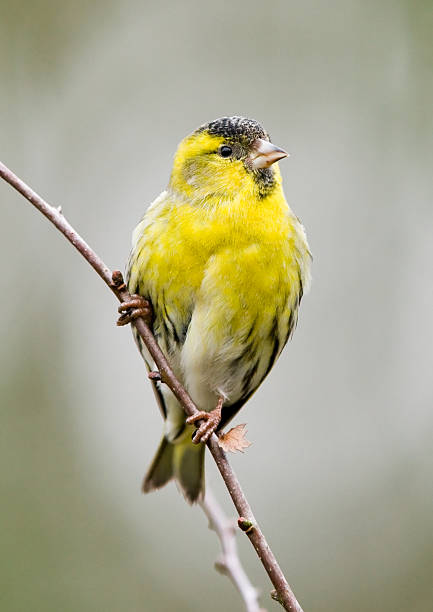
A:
(189, 469)
(183, 461)
(161, 469)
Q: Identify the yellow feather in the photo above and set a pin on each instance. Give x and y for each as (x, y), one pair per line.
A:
(224, 264)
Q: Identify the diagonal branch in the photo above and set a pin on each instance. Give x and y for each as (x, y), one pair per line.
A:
(228, 563)
(247, 522)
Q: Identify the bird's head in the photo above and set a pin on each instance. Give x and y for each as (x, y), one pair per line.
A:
(225, 159)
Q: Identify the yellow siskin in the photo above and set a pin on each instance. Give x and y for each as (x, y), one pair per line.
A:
(224, 263)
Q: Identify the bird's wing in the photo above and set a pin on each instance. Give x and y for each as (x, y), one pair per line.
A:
(148, 274)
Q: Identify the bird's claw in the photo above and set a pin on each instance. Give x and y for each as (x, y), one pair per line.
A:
(211, 421)
(133, 308)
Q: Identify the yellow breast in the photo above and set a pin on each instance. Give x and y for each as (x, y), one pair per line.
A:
(250, 258)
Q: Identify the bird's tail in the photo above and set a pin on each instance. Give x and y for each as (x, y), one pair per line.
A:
(183, 461)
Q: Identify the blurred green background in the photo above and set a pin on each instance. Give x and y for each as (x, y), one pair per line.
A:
(94, 98)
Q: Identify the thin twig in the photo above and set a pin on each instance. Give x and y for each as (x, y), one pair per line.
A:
(228, 563)
(283, 592)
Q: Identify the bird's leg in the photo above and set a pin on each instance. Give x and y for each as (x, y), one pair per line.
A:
(136, 307)
(211, 421)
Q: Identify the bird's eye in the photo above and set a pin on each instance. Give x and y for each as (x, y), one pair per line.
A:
(225, 151)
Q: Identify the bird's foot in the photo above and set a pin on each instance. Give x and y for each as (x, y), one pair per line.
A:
(211, 421)
(133, 308)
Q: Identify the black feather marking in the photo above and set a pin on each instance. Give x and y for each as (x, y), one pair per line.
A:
(167, 326)
(185, 327)
(165, 317)
(275, 339)
(229, 411)
(273, 356)
(290, 325)
(174, 331)
(246, 355)
(164, 331)
(250, 332)
(265, 179)
(248, 377)
(160, 398)
(301, 288)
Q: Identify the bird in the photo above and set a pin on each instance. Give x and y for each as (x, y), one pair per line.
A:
(221, 262)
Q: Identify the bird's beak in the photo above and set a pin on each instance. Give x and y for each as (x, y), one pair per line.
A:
(264, 154)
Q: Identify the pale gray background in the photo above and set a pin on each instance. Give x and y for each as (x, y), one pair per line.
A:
(94, 99)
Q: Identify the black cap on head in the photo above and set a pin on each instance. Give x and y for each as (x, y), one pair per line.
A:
(235, 128)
